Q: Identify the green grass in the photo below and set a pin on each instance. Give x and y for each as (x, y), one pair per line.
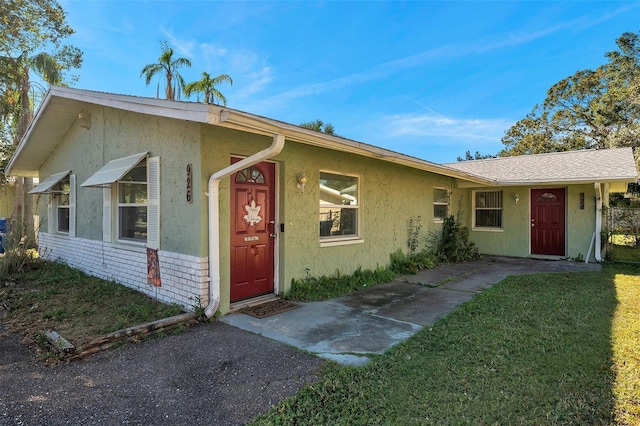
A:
(536, 349)
(624, 248)
(624, 253)
(322, 288)
(54, 296)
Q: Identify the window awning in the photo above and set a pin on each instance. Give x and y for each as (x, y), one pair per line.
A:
(114, 170)
(45, 186)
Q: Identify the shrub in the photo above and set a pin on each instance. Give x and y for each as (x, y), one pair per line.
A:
(454, 243)
(17, 256)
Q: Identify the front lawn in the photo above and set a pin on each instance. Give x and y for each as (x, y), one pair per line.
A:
(536, 349)
(53, 296)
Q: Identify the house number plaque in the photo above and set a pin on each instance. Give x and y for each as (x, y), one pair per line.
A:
(251, 238)
(189, 180)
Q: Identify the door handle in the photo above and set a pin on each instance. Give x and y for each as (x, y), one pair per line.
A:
(273, 235)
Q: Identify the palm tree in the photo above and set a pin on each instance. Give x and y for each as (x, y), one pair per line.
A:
(207, 85)
(18, 103)
(320, 126)
(169, 67)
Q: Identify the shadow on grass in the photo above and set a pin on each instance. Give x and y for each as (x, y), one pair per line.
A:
(625, 253)
(534, 349)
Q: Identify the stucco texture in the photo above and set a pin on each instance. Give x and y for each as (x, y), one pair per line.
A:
(514, 238)
(115, 134)
(388, 196)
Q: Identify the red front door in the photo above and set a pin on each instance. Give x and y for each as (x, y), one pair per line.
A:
(548, 221)
(252, 231)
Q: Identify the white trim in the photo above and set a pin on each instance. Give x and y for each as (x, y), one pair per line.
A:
(114, 170)
(106, 215)
(52, 209)
(327, 205)
(437, 219)
(473, 211)
(65, 102)
(153, 200)
(341, 242)
(72, 205)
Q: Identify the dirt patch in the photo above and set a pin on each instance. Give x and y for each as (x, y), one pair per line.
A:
(51, 296)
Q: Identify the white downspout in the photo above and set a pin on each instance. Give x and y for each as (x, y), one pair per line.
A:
(598, 230)
(214, 216)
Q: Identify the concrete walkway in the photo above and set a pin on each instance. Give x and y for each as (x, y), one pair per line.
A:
(351, 328)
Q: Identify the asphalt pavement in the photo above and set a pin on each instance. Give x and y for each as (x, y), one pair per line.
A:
(229, 371)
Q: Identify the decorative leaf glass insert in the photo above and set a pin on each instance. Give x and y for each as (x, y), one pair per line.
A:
(250, 175)
(547, 196)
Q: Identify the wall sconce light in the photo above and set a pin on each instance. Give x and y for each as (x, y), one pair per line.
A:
(302, 181)
(516, 198)
(84, 119)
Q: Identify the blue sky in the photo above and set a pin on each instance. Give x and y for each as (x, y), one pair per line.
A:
(428, 79)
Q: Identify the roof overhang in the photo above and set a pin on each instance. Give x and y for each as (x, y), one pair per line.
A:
(62, 106)
(234, 119)
(610, 180)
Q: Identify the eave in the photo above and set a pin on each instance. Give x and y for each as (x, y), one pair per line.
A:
(62, 105)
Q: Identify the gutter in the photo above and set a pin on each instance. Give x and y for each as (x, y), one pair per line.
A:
(598, 231)
(214, 216)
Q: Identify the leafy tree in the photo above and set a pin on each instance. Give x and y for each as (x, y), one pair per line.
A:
(207, 85)
(168, 67)
(320, 126)
(590, 109)
(30, 43)
(30, 24)
(477, 156)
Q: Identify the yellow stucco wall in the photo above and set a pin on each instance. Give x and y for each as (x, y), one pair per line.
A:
(7, 199)
(514, 237)
(115, 134)
(388, 196)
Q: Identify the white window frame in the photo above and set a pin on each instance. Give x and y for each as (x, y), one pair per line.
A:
(52, 186)
(57, 205)
(334, 240)
(108, 178)
(120, 205)
(437, 219)
(476, 208)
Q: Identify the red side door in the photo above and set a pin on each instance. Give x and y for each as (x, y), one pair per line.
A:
(252, 231)
(548, 221)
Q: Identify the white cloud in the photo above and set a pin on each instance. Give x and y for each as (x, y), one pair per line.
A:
(254, 83)
(436, 125)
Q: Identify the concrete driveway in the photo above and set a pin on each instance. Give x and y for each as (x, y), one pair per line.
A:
(219, 374)
(351, 328)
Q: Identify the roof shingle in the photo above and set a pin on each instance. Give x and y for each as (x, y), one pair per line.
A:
(616, 164)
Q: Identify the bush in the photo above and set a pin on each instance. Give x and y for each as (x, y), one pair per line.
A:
(17, 256)
(454, 243)
(412, 263)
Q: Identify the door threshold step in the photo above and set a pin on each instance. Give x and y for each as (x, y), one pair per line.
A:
(247, 303)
